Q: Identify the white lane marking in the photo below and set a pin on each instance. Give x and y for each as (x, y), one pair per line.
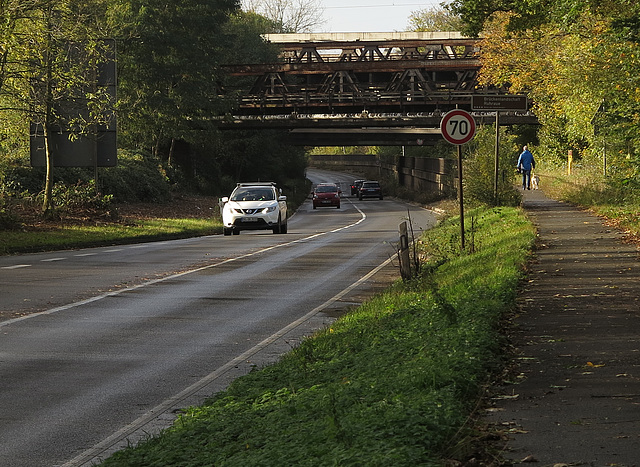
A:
(93, 452)
(17, 266)
(115, 250)
(174, 276)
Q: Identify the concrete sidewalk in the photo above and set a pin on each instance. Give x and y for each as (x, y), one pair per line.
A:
(574, 398)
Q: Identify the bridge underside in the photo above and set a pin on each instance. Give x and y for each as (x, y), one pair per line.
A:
(365, 129)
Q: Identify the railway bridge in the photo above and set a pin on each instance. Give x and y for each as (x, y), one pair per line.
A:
(343, 89)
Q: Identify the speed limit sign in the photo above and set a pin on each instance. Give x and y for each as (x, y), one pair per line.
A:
(458, 126)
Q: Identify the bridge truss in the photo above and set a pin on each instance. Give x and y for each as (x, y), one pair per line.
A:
(361, 80)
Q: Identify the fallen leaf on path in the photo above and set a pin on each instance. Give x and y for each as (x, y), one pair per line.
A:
(506, 397)
(594, 365)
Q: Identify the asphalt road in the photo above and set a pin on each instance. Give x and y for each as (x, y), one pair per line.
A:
(100, 345)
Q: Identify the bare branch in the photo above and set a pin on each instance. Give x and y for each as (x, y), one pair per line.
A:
(289, 15)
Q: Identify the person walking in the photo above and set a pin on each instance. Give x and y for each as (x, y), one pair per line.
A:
(525, 164)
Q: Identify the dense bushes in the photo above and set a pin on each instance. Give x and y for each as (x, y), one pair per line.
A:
(134, 179)
(479, 169)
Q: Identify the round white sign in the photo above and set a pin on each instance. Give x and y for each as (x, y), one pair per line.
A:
(458, 126)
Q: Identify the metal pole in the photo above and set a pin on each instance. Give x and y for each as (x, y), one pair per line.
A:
(495, 179)
(460, 197)
(604, 156)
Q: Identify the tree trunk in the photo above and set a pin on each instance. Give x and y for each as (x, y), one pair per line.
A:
(171, 150)
(48, 102)
(48, 186)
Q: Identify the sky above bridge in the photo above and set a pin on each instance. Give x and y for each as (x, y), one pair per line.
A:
(370, 15)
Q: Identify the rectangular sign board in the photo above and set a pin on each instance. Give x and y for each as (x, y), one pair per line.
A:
(498, 102)
(98, 150)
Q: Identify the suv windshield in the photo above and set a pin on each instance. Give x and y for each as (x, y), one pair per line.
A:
(370, 185)
(253, 194)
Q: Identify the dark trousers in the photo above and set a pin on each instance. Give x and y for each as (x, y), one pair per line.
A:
(526, 179)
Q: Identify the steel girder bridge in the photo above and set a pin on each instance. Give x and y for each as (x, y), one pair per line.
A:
(343, 89)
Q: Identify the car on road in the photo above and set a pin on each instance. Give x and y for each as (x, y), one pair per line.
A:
(326, 194)
(254, 206)
(355, 186)
(370, 189)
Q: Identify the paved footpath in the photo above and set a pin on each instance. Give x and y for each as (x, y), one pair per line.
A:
(575, 397)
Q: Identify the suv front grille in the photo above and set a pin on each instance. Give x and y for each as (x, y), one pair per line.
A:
(248, 211)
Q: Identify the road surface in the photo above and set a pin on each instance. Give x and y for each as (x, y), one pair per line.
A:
(101, 345)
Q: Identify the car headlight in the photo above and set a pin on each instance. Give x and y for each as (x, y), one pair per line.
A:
(269, 209)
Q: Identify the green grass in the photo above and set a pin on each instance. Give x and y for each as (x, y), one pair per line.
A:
(395, 382)
(609, 197)
(18, 241)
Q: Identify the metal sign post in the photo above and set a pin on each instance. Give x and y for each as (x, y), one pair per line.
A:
(459, 127)
(497, 103)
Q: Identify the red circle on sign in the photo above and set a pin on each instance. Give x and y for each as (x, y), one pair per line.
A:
(458, 126)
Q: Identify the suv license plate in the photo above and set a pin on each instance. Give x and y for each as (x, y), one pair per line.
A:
(249, 219)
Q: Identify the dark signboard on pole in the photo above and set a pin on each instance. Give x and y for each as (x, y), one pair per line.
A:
(498, 102)
(69, 150)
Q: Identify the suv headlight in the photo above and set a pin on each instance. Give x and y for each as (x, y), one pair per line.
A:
(269, 209)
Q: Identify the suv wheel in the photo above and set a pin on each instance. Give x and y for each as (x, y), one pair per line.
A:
(278, 228)
(226, 231)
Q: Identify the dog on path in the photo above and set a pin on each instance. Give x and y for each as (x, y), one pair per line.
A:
(535, 182)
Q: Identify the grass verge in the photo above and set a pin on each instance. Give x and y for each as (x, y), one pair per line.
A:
(394, 382)
(79, 236)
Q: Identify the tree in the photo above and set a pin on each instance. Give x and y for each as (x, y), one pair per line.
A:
(173, 88)
(169, 68)
(435, 18)
(289, 16)
(51, 53)
(568, 70)
(474, 13)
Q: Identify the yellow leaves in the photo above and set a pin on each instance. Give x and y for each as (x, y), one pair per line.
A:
(593, 365)
(589, 366)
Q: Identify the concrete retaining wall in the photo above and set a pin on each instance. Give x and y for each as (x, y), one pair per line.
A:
(438, 176)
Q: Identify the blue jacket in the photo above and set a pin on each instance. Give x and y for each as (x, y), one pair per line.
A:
(526, 161)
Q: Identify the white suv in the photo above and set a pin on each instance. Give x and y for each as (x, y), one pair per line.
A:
(254, 206)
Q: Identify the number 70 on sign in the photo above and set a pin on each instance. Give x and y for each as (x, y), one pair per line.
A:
(458, 126)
